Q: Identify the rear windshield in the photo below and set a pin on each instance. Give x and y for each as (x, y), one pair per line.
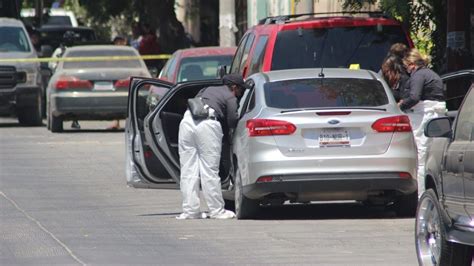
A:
(58, 20)
(322, 93)
(133, 63)
(13, 39)
(335, 47)
(203, 67)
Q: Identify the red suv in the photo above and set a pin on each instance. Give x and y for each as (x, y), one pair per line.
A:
(359, 40)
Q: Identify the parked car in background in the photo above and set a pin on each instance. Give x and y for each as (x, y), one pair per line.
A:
(444, 232)
(300, 137)
(53, 36)
(92, 90)
(21, 87)
(51, 17)
(320, 40)
(192, 64)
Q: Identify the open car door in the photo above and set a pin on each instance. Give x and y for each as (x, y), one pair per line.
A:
(143, 168)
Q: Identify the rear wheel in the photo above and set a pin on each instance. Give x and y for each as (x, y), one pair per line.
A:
(245, 208)
(56, 123)
(405, 206)
(432, 247)
(31, 115)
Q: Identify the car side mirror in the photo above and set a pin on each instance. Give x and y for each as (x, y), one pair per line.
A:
(439, 127)
(221, 71)
(46, 50)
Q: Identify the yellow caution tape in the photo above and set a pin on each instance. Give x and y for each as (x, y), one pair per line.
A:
(83, 59)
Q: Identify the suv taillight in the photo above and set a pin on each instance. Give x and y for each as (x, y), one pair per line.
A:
(268, 127)
(399, 123)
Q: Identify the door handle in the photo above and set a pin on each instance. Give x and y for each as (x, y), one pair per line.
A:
(460, 157)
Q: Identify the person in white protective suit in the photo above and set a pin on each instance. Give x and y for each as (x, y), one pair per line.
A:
(200, 145)
(423, 100)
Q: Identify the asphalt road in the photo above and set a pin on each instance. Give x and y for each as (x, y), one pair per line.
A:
(64, 201)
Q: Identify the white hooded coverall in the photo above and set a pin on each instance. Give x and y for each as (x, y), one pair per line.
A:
(200, 152)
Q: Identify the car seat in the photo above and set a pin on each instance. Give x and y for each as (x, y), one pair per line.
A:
(192, 72)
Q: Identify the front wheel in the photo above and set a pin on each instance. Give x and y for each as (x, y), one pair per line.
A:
(245, 208)
(432, 247)
(56, 123)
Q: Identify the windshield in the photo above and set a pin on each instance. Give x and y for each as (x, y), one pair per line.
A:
(13, 39)
(133, 63)
(323, 93)
(335, 47)
(200, 68)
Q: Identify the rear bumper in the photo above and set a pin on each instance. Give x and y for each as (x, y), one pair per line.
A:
(344, 186)
(89, 105)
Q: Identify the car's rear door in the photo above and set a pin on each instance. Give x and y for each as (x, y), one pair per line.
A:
(143, 168)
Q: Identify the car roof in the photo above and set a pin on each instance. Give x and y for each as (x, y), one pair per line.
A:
(100, 47)
(207, 51)
(309, 73)
(48, 28)
(10, 22)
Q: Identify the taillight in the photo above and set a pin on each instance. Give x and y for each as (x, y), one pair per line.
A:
(264, 179)
(268, 127)
(68, 82)
(399, 123)
(122, 83)
(404, 175)
(333, 113)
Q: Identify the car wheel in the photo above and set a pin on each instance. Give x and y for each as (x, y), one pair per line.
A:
(56, 123)
(31, 116)
(245, 208)
(405, 206)
(432, 247)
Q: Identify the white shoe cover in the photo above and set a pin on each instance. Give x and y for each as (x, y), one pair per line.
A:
(226, 214)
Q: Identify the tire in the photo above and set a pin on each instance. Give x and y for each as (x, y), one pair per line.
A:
(432, 247)
(245, 208)
(31, 115)
(56, 123)
(405, 206)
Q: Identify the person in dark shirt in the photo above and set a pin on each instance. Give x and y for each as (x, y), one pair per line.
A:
(424, 100)
(393, 70)
(200, 145)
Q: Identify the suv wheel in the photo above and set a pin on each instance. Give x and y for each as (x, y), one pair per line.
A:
(245, 208)
(31, 115)
(432, 247)
(405, 206)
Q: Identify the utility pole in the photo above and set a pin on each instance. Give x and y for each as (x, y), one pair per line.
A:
(227, 26)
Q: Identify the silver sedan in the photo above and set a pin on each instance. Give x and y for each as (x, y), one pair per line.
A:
(303, 135)
(92, 90)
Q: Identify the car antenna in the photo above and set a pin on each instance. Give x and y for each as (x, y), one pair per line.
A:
(321, 74)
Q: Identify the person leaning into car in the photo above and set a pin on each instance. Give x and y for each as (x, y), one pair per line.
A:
(424, 100)
(200, 145)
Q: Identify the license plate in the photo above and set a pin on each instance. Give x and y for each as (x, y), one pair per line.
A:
(103, 86)
(334, 138)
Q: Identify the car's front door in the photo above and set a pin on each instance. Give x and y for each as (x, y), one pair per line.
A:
(465, 125)
(455, 161)
(143, 168)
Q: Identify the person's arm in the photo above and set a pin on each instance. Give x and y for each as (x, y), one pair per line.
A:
(416, 82)
(231, 115)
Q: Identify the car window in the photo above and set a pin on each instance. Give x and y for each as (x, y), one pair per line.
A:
(102, 64)
(166, 72)
(13, 39)
(200, 68)
(335, 47)
(246, 52)
(58, 20)
(257, 58)
(238, 55)
(330, 92)
(465, 119)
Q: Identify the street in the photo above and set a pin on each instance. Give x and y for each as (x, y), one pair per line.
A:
(64, 200)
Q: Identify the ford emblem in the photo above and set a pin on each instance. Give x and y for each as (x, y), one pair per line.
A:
(333, 122)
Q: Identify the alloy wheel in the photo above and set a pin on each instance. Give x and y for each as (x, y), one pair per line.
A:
(429, 237)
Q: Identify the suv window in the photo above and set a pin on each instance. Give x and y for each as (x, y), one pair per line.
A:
(245, 55)
(257, 58)
(335, 47)
(238, 55)
(465, 120)
(13, 39)
(330, 92)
